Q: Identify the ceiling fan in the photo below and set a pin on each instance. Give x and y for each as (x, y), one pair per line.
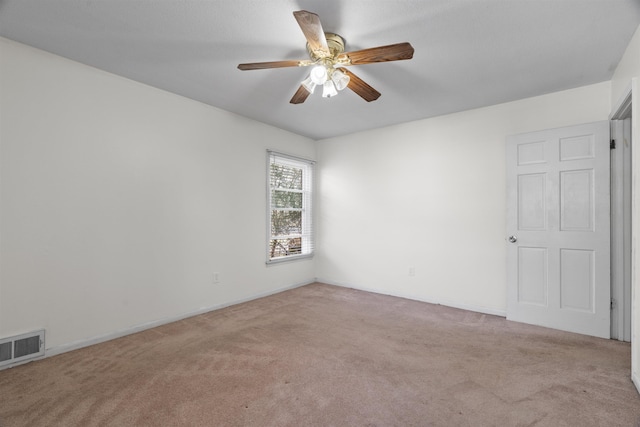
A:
(328, 58)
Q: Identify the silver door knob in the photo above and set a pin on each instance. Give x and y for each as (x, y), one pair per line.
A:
(513, 239)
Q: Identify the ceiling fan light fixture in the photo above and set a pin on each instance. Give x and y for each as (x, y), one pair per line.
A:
(329, 89)
(340, 79)
(309, 85)
(318, 74)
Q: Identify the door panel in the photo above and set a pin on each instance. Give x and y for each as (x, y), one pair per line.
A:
(532, 276)
(576, 200)
(531, 153)
(558, 217)
(577, 147)
(577, 285)
(531, 202)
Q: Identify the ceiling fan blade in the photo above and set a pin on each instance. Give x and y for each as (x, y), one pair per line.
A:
(300, 96)
(312, 28)
(392, 52)
(273, 64)
(360, 87)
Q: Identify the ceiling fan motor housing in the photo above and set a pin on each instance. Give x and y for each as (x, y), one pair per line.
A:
(335, 44)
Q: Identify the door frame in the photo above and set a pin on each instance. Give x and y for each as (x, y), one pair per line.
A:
(630, 97)
(621, 219)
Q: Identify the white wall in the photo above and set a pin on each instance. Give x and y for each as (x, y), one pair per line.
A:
(118, 201)
(628, 68)
(431, 195)
(626, 75)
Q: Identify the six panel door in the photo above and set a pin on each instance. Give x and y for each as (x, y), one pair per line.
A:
(558, 228)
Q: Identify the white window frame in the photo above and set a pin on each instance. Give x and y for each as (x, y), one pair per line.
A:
(307, 234)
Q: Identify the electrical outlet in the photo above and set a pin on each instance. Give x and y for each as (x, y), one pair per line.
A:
(216, 277)
(412, 271)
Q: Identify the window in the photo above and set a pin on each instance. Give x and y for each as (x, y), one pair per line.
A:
(290, 184)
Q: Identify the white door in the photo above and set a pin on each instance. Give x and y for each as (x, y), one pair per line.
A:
(558, 266)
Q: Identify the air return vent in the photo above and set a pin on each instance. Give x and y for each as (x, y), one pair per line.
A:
(21, 348)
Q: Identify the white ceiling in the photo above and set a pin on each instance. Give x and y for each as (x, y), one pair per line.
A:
(468, 53)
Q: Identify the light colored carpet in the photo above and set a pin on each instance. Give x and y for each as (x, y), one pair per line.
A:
(328, 356)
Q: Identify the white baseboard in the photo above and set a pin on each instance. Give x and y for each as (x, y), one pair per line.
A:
(448, 303)
(53, 351)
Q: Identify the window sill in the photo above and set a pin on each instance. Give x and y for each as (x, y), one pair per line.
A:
(288, 259)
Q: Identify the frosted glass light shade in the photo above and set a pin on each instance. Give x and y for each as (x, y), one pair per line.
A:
(340, 79)
(309, 85)
(329, 89)
(318, 74)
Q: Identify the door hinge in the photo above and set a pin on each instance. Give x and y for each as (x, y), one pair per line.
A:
(612, 144)
(614, 303)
